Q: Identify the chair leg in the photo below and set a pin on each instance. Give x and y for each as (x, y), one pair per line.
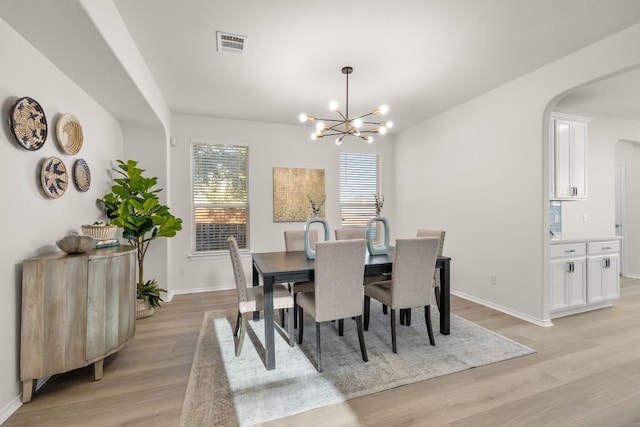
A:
(427, 316)
(318, 351)
(363, 348)
(341, 327)
(300, 325)
(367, 304)
(393, 330)
(384, 309)
(295, 310)
(282, 318)
(290, 329)
(237, 327)
(407, 317)
(402, 316)
(436, 291)
(243, 332)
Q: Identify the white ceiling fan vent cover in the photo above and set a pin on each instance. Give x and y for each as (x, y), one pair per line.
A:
(231, 43)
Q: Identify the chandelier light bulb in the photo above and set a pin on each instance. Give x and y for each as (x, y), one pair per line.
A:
(388, 124)
(357, 123)
(320, 126)
(303, 117)
(333, 106)
(314, 136)
(383, 109)
(382, 130)
(339, 140)
(369, 139)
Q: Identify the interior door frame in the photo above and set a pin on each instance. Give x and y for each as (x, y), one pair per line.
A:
(620, 204)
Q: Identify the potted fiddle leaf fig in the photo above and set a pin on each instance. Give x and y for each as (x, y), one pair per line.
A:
(134, 206)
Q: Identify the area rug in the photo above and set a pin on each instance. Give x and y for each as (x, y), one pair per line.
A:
(226, 390)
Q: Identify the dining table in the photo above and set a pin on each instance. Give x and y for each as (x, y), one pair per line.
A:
(295, 266)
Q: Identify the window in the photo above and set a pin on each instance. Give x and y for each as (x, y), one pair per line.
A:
(359, 183)
(219, 174)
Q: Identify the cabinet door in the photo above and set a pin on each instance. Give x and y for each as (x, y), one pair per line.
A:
(578, 282)
(603, 278)
(559, 289)
(596, 279)
(579, 159)
(110, 301)
(611, 278)
(562, 161)
(568, 283)
(569, 165)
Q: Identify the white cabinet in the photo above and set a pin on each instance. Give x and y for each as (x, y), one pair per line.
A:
(568, 276)
(584, 276)
(603, 271)
(568, 157)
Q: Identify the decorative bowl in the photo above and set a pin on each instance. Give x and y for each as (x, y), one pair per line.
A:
(76, 244)
(100, 232)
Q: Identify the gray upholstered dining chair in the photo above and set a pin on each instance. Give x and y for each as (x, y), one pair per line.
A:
(410, 286)
(405, 317)
(338, 294)
(349, 233)
(436, 276)
(294, 241)
(357, 233)
(251, 298)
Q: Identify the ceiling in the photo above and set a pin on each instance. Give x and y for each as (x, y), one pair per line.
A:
(420, 57)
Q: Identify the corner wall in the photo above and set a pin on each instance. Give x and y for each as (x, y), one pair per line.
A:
(480, 172)
(31, 221)
(270, 145)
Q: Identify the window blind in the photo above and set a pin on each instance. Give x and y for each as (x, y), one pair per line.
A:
(219, 174)
(359, 183)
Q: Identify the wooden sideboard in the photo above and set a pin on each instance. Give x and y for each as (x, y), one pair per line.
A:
(76, 310)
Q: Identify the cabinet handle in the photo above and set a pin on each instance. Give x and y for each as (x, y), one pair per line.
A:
(607, 263)
(606, 248)
(570, 267)
(569, 251)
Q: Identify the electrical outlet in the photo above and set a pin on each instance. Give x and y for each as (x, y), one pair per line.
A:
(492, 278)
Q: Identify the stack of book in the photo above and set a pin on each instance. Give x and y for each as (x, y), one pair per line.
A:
(107, 243)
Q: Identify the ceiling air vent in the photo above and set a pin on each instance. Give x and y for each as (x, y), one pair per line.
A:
(231, 43)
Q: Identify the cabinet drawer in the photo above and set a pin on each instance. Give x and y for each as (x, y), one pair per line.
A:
(596, 248)
(567, 251)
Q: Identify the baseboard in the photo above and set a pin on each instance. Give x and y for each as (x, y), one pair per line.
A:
(632, 276)
(525, 317)
(10, 408)
(170, 295)
(16, 403)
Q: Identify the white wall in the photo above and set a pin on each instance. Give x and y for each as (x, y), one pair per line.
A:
(31, 221)
(629, 153)
(270, 145)
(480, 171)
(599, 208)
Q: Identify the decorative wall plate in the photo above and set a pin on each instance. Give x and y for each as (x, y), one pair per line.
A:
(69, 133)
(82, 175)
(28, 123)
(53, 177)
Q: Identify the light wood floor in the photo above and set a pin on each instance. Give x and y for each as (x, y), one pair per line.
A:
(586, 372)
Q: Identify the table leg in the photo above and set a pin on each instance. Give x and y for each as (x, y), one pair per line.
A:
(269, 343)
(256, 282)
(445, 303)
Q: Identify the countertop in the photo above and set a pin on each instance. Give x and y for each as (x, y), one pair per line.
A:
(578, 238)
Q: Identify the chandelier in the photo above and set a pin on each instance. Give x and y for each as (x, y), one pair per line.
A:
(345, 125)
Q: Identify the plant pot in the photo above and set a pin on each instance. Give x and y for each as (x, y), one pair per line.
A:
(143, 309)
